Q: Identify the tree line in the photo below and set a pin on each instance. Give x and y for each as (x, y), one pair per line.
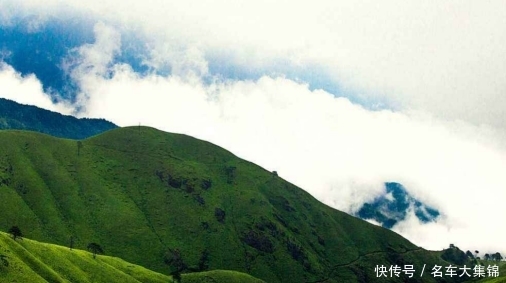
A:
(455, 255)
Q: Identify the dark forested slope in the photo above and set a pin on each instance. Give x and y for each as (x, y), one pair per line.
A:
(24, 117)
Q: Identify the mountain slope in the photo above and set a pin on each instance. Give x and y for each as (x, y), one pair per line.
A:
(24, 117)
(31, 261)
(142, 194)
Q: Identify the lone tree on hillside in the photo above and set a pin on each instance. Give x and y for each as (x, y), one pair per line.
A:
(15, 232)
(95, 249)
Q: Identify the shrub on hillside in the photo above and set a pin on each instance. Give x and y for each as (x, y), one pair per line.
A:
(95, 249)
(15, 232)
(219, 214)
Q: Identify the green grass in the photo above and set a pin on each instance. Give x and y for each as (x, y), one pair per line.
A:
(219, 276)
(32, 261)
(138, 191)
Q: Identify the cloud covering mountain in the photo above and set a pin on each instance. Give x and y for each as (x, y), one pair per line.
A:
(338, 97)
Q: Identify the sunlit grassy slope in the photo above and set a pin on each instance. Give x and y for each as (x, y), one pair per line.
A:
(32, 261)
(138, 192)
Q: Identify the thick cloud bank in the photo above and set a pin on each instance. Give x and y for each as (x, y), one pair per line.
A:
(445, 57)
(443, 137)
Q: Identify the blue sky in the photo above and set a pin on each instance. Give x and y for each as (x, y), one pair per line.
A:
(41, 52)
(338, 97)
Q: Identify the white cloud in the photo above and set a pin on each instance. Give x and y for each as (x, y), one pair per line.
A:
(95, 59)
(445, 57)
(183, 62)
(27, 90)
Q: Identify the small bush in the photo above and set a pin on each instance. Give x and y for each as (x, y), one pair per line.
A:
(199, 199)
(205, 225)
(174, 182)
(219, 214)
(258, 241)
(95, 249)
(296, 251)
(15, 232)
(230, 172)
(206, 184)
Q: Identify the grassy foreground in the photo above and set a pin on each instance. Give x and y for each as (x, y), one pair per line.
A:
(31, 261)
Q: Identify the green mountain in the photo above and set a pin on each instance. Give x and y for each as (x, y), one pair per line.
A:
(24, 117)
(31, 261)
(148, 197)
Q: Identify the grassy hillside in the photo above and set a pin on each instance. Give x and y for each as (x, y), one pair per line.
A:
(24, 117)
(32, 261)
(145, 195)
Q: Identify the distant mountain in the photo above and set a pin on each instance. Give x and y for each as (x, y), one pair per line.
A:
(150, 197)
(17, 116)
(393, 206)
